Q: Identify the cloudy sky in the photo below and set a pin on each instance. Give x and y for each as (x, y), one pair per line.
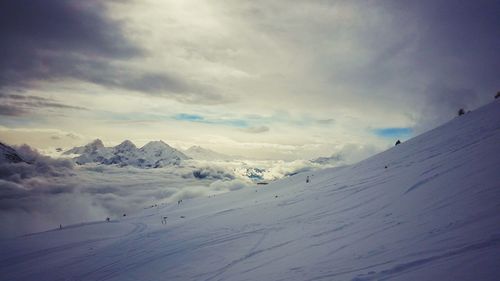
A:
(269, 79)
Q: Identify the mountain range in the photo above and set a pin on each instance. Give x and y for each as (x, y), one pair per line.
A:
(154, 154)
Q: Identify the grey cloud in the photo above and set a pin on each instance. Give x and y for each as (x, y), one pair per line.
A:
(36, 165)
(7, 110)
(180, 89)
(443, 103)
(386, 55)
(211, 172)
(325, 121)
(73, 136)
(256, 130)
(49, 40)
(17, 105)
(77, 39)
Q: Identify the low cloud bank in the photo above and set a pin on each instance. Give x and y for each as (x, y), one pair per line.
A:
(43, 192)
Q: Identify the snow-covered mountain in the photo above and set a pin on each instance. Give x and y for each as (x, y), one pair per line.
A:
(200, 153)
(152, 155)
(427, 209)
(92, 147)
(92, 152)
(158, 154)
(9, 154)
(126, 153)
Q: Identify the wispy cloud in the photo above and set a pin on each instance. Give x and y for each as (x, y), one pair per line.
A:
(256, 130)
(18, 105)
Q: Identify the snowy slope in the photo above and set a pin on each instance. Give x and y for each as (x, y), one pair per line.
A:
(432, 214)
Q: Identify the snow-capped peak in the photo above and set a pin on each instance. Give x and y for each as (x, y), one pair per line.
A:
(152, 155)
(156, 145)
(94, 146)
(159, 149)
(126, 145)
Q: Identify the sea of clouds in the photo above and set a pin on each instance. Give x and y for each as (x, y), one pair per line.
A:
(46, 192)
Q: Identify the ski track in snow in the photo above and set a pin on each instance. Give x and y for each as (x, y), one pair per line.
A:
(431, 215)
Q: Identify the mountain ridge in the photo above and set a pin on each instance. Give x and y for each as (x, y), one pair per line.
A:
(154, 154)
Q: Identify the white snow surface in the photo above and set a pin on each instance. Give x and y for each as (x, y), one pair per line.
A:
(432, 214)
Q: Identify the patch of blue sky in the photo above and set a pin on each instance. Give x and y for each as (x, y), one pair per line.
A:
(239, 123)
(393, 132)
(189, 117)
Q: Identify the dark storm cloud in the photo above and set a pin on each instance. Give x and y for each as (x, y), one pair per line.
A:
(49, 39)
(58, 39)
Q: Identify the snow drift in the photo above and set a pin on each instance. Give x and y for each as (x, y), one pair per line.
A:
(424, 210)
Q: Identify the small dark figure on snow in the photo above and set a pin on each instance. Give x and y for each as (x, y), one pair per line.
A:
(107, 219)
(60, 226)
(461, 111)
(307, 179)
(497, 95)
(386, 167)
(179, 202)
(164, 220)
(124, 215)
(398, 142)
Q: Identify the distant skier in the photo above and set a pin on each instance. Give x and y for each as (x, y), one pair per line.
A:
(398, 142)
(164, 220)
(107, 219)
(60, 226)
(307, 179)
